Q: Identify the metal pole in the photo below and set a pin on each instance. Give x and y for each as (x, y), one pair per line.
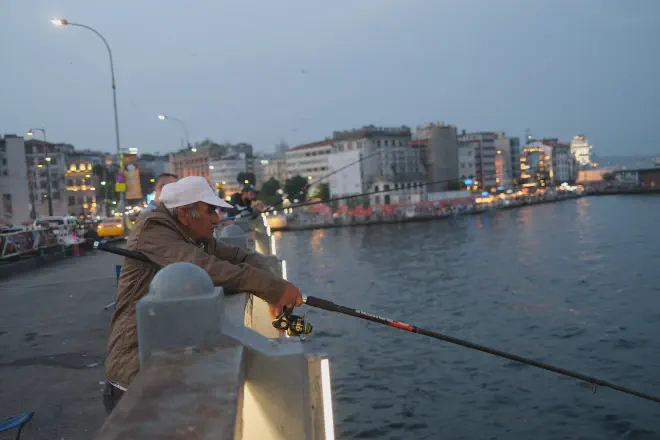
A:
(122, 202)
(185, 129)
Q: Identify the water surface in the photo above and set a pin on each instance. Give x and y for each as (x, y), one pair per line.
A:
(575, 284)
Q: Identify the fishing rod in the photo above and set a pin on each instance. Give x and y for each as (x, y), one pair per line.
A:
(305, 187)
(332, 307)
(380, 191)
(295, 325)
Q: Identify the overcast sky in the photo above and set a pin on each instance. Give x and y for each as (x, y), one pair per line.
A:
(260, 70)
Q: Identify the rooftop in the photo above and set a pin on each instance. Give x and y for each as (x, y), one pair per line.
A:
(311, 145)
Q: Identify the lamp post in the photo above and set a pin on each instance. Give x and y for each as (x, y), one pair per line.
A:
(63, 22)
(162, 117)
(48, 184)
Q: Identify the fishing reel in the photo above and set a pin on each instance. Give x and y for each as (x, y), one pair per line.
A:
(294, 325)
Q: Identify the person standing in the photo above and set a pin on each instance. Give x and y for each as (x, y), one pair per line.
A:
(242, 202)
(161, 181)
(181, 229)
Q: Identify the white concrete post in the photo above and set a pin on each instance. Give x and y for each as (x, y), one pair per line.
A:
(183, 309)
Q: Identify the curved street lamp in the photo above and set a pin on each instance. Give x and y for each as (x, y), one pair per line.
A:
(162, 117)
(64, 22)
(48, 184)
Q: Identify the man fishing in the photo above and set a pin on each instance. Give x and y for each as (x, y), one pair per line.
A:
(161, 181)
(242, 202)
(180, 229)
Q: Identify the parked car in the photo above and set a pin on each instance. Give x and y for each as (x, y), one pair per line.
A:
(111, 227)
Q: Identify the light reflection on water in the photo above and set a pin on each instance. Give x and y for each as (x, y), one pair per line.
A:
(573, 284)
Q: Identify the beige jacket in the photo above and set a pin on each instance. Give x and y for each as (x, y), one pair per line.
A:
(159, 237)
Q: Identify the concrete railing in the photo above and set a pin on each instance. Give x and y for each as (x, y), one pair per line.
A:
(212, 368)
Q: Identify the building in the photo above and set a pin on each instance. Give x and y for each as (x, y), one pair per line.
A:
(345, 173)
(387, 161)
(547, 162)
(643, 177)
(46, 164)
(438, 145)
(82, 185)
(492, 154)
(309, 160)
(281, 149)
(467, 169)
(581, 150)
(564, 164)
(274, 169)
(14, 184)
(188, 163)
(516, 153)
(224, 171)
(196, 163)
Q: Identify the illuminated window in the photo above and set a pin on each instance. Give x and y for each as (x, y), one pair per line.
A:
(82, 167)
(72, 167)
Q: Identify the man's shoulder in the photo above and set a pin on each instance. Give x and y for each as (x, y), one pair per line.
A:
(235, 198)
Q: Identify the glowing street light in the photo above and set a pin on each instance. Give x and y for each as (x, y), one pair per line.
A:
(59, 22)
(162, 117)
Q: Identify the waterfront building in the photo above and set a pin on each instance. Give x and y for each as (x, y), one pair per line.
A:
(581, 150)
(467, 169)
(223, 173)
(82, 185)
(14, 184)
(439, 155)
(492, 153)
(547, 162)
(387, 162)
(345, 173)
(196, 163)
(516, 153)
(642, 177)
(309, 160)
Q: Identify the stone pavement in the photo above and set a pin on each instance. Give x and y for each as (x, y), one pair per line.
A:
(53, 334)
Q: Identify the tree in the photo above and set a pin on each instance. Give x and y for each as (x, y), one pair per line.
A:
(268, 193)
(322, 191)
(296, 188)
(244, 175)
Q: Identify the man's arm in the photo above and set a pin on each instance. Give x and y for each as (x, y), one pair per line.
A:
(164, 245)
(236, 255)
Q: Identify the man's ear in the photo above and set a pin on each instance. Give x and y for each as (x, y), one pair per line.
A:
(181, 215)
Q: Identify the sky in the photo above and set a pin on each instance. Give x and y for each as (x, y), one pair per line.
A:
(262, 71)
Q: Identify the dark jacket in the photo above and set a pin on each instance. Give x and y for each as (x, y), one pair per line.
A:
(239, 205)
(158, 236)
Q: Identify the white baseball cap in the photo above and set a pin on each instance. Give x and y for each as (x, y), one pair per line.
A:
(189, 190)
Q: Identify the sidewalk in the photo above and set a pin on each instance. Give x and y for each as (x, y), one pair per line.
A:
(53, 334)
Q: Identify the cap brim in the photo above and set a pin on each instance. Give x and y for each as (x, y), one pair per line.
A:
(216, 201)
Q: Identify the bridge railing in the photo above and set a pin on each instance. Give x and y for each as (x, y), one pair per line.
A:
(16, 244)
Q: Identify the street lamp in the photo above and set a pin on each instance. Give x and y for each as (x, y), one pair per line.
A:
(162, 117)
(48, 185)
(63, 22)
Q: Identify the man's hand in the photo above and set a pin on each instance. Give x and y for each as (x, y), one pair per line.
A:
(291, 297)
(258, 207)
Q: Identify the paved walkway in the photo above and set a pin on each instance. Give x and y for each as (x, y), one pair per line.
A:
(53, 334)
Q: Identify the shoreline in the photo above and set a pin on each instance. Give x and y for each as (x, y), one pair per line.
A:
(419, 218)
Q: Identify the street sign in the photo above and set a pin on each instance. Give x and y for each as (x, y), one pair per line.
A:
(120, 178)
(120, 187)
